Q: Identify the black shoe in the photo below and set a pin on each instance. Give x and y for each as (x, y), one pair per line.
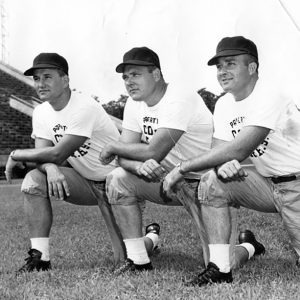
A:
(34, 263)
(153, 227)
(130, 266)
(247, 236)
(210, 275)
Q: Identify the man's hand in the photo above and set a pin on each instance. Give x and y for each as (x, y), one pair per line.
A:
(152, 170)
(170, 181)
(57, 183)
(10, 164)
(232, 171)
(106, 156)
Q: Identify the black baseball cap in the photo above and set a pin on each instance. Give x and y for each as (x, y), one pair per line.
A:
(48, 61)
(231, 46)
(140, 56)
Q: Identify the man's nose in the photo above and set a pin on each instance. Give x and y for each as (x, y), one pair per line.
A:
(128, 81)
(40, 82)
(222, 70)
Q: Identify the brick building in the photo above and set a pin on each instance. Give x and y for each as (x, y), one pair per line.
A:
(17, 99)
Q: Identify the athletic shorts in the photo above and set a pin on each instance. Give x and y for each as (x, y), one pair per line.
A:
(82, 191)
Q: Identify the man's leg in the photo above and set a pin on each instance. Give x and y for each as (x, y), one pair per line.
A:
(39, 212)
(287, 200)
(215, 197)
(188, 195)
(125, 192)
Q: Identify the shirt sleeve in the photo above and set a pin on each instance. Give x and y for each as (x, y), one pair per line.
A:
(39, 128)
(83, 122)
(176, 115)
(130, 121)
(221, 121)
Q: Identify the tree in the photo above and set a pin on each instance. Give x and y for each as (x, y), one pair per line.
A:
(209, 98)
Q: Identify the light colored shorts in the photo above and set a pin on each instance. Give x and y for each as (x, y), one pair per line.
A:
(125, 188)
(82, 191)
(258, 193)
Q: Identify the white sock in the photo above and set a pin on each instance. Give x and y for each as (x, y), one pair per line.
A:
(219, 255)
(136, 251)
(153, 237)
(249, 247)
(41, 244)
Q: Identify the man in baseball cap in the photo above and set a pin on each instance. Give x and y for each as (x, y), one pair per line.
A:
(253, 120)
(69, 129)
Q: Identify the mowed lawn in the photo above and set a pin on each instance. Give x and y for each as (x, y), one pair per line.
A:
(81, 258)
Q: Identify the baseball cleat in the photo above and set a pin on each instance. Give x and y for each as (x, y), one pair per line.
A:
(129, 266)
(34, 263)
(153, 227)
(247, 236)
(210, 275)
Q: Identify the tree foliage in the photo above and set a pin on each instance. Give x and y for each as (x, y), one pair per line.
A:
(209, 98)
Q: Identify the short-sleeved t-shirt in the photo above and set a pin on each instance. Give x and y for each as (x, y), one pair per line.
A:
(279, 153)
(176, 110)
(83, 116)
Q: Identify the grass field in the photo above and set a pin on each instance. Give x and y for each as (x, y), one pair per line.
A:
(81, 258)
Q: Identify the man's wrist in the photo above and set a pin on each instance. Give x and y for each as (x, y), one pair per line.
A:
(113, 148)
(12, 155)
(216, 169)
(137, 169)
(180, 169)
(48, 165)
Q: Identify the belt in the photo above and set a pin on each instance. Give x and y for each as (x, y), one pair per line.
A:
(191, 180)
(280, 179)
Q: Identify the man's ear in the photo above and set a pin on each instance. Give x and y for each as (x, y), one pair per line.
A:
(252, 67)
(156, 74)
(66, 80)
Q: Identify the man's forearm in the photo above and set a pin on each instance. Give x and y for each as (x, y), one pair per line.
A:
(136, 151)
(130, 165)
(215, 157)
(38, 155)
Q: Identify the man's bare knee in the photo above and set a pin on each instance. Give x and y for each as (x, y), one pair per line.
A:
(119, 187)
(35, 183)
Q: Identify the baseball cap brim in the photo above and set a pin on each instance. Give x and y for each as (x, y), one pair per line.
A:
(228, 52)
(30, 71)
(120, 67)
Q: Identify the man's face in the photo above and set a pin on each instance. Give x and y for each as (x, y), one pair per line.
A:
(139, 82)
(233, 74)
(49, 84)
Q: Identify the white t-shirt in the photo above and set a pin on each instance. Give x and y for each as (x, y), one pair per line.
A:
(176, 110)
(279, 153)
(83, 116)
